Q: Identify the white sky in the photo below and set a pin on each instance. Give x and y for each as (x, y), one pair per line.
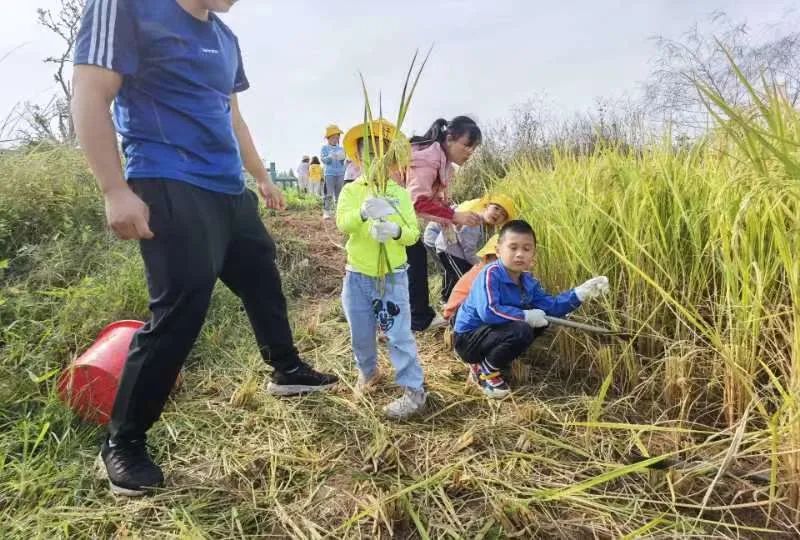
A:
(302, 57)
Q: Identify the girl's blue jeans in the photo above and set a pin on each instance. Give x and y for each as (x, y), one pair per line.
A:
(367, 310)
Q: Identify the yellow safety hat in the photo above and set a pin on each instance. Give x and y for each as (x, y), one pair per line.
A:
(379, 128)
(332, 130)
(490, 248)
(503, 201)
(472, 205)
(479, 205)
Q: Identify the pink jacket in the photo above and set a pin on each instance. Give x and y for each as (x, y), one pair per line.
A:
(427, 181)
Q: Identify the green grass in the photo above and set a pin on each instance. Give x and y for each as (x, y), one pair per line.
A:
(295, 200)
(690, 430)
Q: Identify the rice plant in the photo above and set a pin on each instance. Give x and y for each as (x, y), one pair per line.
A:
(690, 429)
(701, 247)
(386, 152)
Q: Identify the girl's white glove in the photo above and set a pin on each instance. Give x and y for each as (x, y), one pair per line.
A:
(592, 288)
(535, 318)
(383, 231)
(377, 208)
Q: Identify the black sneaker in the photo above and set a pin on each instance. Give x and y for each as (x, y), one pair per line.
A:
(130, 470)
(303, 380)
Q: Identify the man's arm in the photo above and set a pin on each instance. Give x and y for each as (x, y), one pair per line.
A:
(252, 161)
(94, 90)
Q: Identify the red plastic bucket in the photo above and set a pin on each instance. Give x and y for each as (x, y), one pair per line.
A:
(90, 384)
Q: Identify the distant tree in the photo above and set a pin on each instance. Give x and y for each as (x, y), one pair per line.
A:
(53, 121)
(699, 55)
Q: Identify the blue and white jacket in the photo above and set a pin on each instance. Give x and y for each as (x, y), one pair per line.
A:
(496, 299)
(333, 167)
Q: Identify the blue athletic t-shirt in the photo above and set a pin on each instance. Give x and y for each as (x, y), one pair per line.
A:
(173, 110)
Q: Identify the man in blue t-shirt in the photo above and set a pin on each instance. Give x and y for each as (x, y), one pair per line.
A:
(172, 70)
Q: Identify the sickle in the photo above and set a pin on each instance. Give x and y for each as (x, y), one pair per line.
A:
(587, 327)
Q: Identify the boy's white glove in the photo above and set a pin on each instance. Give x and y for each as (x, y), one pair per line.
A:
(339, 155)
(592, 288)
(377, 208)
(535, 318)
(383, 231)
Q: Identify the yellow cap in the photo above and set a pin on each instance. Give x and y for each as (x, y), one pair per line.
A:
(479, 205)
(503, 201)
(378, 128)
(490, 248)
(472, 205)
(332, 130)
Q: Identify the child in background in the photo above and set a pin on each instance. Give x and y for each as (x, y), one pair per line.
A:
(332, 156)
(372, 298)
(315, 177)
(457, 246)
(506, 309)
(302, 175)
(487, 254)
(351, 171)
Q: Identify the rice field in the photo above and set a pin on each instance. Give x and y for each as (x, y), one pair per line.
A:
(689, 428)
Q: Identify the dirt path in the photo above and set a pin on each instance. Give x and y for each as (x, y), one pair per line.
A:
(315, 245)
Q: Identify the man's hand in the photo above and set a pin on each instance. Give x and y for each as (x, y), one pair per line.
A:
(127, 215)
(272, 194)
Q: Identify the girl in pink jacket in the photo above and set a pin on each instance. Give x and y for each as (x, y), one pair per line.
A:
(433, 157)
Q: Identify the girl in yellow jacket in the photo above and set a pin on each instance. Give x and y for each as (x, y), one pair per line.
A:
(315, 177)
(375, 295)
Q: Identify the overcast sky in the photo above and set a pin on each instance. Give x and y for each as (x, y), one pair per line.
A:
(302, 57)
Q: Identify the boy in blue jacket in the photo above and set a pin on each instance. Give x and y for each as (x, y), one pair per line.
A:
(506, 309)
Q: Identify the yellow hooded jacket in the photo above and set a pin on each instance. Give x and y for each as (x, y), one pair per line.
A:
(363, 251)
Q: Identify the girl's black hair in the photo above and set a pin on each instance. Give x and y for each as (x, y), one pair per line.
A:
(457, 128)
(315, 161)
(517, 226)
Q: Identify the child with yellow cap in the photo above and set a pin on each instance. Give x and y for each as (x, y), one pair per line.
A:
(457, 246)
(487, 254)
(332, 156)
(507, 308)
(380, 224)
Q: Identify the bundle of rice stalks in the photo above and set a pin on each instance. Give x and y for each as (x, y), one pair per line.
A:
(386, 151)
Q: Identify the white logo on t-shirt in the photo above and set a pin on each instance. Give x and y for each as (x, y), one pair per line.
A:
(210, 51)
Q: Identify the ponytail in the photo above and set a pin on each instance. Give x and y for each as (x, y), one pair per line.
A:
(436, 133)
(457, 128)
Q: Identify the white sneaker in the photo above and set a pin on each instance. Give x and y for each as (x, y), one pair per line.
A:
(365, 385)
(410, 403)
(326, 215)
(437, 322)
